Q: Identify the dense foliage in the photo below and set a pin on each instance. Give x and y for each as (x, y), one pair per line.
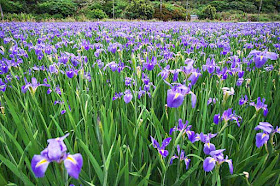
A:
(139, 9)
(208, 12)
(139, 103)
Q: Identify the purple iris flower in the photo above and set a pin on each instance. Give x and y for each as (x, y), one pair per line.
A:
(63, 59)
(239, 82)
(261, 58)
(174, 98)
(112, 65)
(150, 64)
(181, 156)
(3, 86)
(263, 137)
(217, 158)
(32, 87)
(180, 127)
(127, 96)
(194, 76)
(210, 65)
(165, 72)
(161, 149)
(260, 105)
(227, 116)
(176, 95)
(243, 100)
(205, 138)
(184, 127)
(53, 69)
(70, 74)
(211, 100)
(56, 151)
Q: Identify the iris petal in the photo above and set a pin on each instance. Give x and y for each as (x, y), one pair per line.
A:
(73, 165)
(39, 165)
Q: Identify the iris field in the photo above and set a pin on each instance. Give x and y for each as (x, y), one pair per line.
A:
(139, 103)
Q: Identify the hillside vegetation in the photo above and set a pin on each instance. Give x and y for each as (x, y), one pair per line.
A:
(82, 10)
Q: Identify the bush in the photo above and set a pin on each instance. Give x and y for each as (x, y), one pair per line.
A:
(19, 17)
(208, 12)
(57, 16)
(63, 7)
(170, 12)
(253, 18)
(248, 7)
(220, 5)
(139, 9)
(42, 17)
(96, 14)
(11, 6)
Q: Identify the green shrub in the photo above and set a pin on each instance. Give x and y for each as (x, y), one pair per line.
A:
(19, 17)
(57, 16)
(248, 7)
(220, 5)
(63, 7)
(139, 9)
(253, 18)
(96, 14)
(11, 6)
(170, 12)
(208, 12)
(42, 17)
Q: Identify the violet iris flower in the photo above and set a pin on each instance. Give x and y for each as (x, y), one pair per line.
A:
(181, 156)
(227, 116)
(3, 86)
(260, 105)
(56, 152)
(210, 65)
(263, 137)
(180, 127)
(217, 158)
(176, 95)
(32, 87)
(208, 147)
(150, 64)
(212, 100)
(184, 127)
(127, 96)
(243, 100)
(161, 149)
(261, 58)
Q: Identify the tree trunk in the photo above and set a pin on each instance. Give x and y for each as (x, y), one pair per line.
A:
(2, 16)
(113, 9)
(260, 10)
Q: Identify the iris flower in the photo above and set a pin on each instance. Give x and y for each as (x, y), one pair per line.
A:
(208, 147)
(150, 64)
(243, 100)
(184, 127)
(176, 95)
(161, 149)
(127, 96)
(32, 87)
(181, 156)
(260, 58)
(260, 105)
(263, 137)
(217, 158)
(56, 152)
(227, 116)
